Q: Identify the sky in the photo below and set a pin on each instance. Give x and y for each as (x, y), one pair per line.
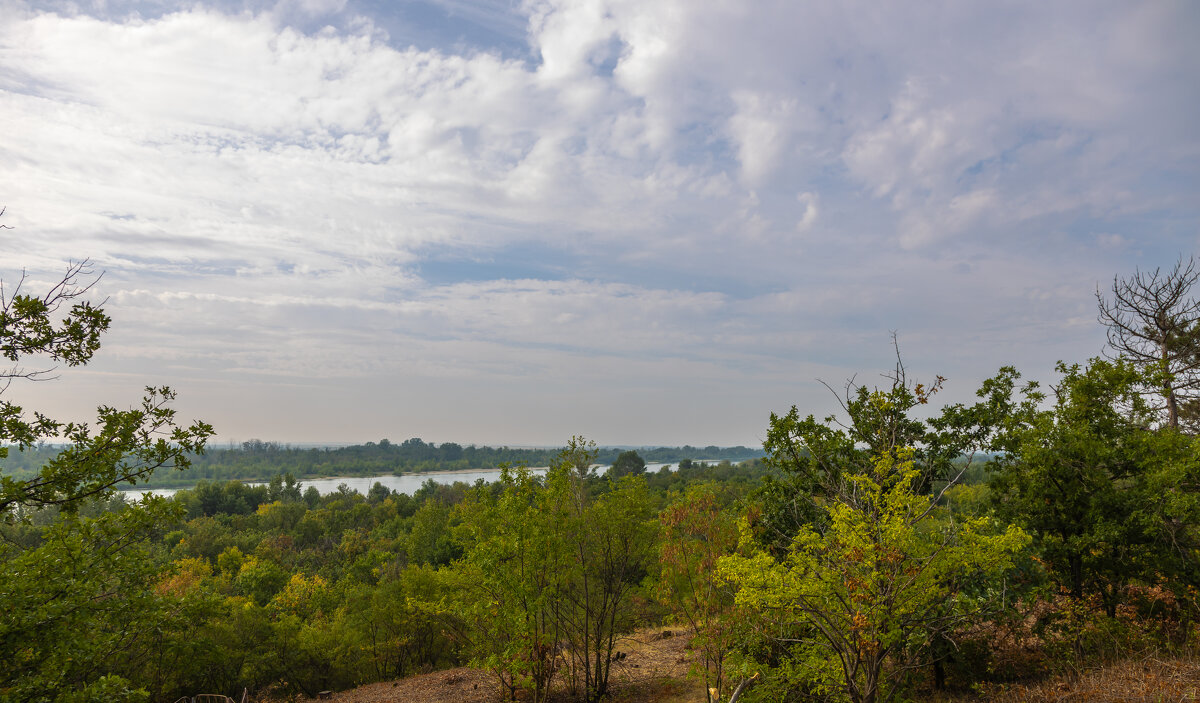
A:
(511, 222)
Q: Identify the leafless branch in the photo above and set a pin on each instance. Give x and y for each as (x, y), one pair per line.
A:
(1153, 319)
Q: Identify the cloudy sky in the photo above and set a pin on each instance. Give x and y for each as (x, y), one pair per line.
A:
(506, 221)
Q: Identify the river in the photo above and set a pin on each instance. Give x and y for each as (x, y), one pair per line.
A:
(408, 483)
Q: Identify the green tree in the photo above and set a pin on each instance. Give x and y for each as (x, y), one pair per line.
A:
(810, 456)
(628, 463)
(1108, 499)
(576, 460)
(877, 586)
(854, 586)
(547, 562)
(430, 540)
(261, 579)
(514, 574)
(284, 487)
(378, 493)
(696, 532)
(405, 623)
(75, 600)
(611, 542)
(79, 606)
(127, 445)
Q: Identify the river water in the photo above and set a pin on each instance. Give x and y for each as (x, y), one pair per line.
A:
(408, 483)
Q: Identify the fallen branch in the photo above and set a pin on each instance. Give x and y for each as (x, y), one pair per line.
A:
(746, 683)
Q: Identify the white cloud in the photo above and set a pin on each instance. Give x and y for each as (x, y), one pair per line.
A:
(288, 189)
(760, 128)
(811, 211)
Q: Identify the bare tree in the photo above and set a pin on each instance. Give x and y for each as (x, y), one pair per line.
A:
(1153, 320)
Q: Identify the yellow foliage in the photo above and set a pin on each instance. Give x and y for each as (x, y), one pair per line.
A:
(187, 575)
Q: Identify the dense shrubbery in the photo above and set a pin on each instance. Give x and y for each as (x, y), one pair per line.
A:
(273, 587)
(257, 587)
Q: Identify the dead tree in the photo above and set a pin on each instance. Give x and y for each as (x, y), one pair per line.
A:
(1153, 321)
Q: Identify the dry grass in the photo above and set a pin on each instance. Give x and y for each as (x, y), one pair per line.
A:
(655, 669)
(1156, 680)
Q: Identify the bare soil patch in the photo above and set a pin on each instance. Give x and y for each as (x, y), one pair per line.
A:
(654, 668)
(461, 685)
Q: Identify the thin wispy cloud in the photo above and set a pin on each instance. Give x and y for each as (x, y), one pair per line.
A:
(456, 199)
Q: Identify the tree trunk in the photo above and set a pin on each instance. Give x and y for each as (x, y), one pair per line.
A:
(1076, 562)
(1168, 390)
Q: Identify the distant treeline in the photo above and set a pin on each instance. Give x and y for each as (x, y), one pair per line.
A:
(258, 460)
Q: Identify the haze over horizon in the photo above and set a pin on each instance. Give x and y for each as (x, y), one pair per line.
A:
(502, 222)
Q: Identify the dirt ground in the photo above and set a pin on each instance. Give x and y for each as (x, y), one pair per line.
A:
(654, 668)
